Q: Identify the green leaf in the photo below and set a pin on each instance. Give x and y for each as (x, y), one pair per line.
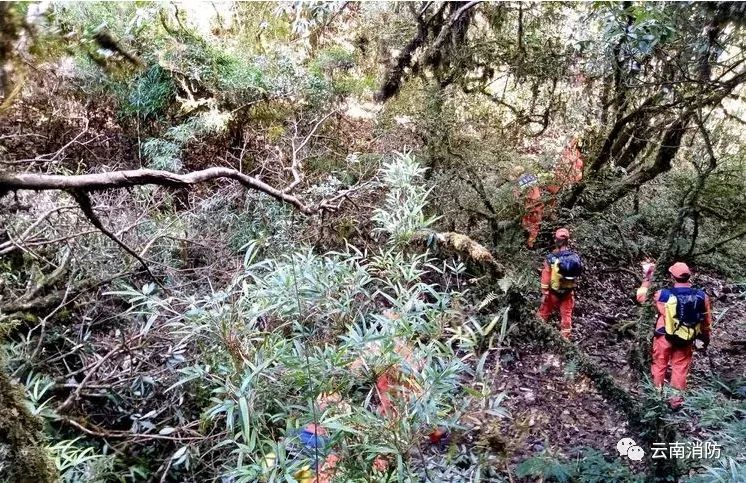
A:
(243, 406)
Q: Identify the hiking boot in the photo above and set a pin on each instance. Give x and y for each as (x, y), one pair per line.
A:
(675, 402)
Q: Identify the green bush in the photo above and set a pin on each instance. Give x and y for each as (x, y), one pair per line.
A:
(148, 95)
(162, 154)
(590, 466)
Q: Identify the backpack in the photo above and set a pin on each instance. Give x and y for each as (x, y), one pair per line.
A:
(527, 180)
(566, 267)
(685, 310)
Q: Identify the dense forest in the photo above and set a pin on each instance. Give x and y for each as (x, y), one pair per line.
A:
(309, 241)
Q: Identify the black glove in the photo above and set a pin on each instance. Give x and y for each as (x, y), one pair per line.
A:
(705, 338)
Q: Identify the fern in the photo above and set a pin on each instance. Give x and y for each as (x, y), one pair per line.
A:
(491, 297)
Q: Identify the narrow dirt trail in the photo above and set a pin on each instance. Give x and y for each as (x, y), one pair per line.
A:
(605, 301)
(554, 408)
(551, 406)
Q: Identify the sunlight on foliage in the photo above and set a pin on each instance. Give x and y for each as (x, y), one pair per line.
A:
(402, 213)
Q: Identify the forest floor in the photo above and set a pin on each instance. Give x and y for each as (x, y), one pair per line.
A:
(554, 408)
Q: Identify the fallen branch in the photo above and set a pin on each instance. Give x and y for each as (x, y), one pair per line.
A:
(8, 245)
(55, 156)
(139, 177)
(15, 308)
(36, 242)
(74, 395)
(463, 245)
(30, 299)
(103, 433)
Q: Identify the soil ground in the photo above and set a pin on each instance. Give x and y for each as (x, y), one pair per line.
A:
(551, 407)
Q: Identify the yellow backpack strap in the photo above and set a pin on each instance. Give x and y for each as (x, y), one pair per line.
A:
(671, 322)
(555, 278)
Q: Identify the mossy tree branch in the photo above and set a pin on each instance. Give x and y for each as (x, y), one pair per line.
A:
(23, 458)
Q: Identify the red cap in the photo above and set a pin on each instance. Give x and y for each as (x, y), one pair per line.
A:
(562, 234)
(679, 270)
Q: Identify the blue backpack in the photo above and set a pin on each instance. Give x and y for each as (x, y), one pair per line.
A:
(685, 310)
(566, 267)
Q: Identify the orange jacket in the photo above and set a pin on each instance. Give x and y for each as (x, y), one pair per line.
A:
(642, 296)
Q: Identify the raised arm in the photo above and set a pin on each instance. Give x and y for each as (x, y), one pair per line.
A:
(648, 268)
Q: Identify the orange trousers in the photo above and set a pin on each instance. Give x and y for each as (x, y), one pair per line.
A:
(532, 224)
(534, 212)
(565, 303)
(680, 359)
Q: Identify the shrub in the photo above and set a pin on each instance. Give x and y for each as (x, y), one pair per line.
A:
(148, 95)
(589, 467)
(403, 213)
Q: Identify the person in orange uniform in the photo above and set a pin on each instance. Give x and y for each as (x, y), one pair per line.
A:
(540, 193)
(528, 192)
(567, 172)
(675, 305)
(558, 282)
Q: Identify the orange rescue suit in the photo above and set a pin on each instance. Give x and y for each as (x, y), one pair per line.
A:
(665, 353)
(551, 301)
(567, 172)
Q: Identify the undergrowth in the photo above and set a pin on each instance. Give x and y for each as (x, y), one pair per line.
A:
(261, 358)
(589, 466)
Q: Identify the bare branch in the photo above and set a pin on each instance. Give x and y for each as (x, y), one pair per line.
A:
(296, 160)
(84, 201)
(56, 155)
(395, 75)
(76, 394)
(342, 196)
(451, 22)
(49, 280)
(720, 243)
(712, 160)
(103, 433)
(138, 177)
(730, 115)
(9, 245)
